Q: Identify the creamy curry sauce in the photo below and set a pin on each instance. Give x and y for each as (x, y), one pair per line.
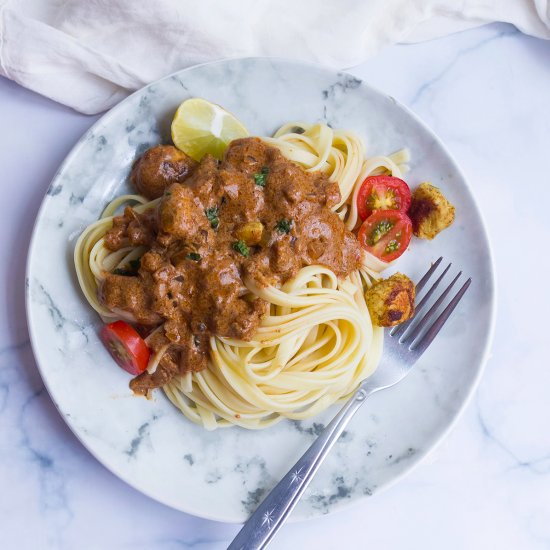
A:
(190, 280)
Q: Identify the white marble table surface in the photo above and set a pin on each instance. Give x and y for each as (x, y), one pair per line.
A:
(486, 92)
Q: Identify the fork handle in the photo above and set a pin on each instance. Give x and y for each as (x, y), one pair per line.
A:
(262, 525)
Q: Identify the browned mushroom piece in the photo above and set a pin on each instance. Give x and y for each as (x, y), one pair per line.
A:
(160, 167)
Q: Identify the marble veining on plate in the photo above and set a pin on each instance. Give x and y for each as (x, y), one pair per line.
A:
(224, 474)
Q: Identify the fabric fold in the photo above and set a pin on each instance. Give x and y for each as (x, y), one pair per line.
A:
(90, 54)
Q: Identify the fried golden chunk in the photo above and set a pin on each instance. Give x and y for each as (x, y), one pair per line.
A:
(430, 211)
(251, 233)
(391, 301)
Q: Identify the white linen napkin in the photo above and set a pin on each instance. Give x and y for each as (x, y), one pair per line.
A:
(90, 54)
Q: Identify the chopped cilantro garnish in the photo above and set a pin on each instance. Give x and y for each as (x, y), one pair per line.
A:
(261, 177)
(240, 246)
(193, 256)
(212, 216)
(284, 226)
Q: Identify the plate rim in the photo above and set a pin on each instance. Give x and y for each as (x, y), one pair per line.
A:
(492, 313)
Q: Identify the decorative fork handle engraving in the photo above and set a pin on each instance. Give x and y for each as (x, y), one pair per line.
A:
(272, 512)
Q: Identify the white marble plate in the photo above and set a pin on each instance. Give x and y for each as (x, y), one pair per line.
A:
(223, 475)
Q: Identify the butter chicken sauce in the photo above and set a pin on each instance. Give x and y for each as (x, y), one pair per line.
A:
(255, 214)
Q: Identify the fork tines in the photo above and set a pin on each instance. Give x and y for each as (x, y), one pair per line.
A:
(415, 332)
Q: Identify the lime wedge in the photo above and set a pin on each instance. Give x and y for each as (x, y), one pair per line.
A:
(200, 127)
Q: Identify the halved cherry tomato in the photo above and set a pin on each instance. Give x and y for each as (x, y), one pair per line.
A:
(126, 346)
(382, 193)
(386, 234)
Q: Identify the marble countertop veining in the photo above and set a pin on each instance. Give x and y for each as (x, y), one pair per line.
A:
(486, 92)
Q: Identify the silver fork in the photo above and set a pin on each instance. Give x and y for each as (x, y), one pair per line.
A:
(403, 345)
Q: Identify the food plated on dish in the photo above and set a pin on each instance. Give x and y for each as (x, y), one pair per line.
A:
(223, 474)
(244, 278)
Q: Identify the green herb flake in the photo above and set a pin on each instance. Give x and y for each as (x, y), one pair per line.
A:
(167, 194)
(241, 248)
(193, 256)
(379, 231)
(260, 177)
(298, 130)
(284, 226)
(212, 216)
(119, 271)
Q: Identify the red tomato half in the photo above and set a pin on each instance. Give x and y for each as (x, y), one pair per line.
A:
(382, 193)
(126, 347)
(386, 234)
